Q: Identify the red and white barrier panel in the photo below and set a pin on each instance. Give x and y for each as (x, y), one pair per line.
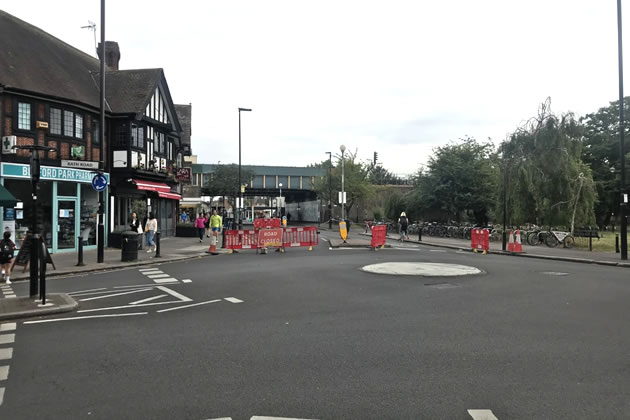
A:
(480, 240)
(300, 236)
(267, 223)
(241, 239)
(379, 236)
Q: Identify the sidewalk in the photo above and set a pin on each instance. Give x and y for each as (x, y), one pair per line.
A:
(362, 239)
(171, 249)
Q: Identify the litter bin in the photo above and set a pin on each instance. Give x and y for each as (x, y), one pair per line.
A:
(129, 246)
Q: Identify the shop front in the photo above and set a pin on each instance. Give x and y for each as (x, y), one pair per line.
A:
(68, 205)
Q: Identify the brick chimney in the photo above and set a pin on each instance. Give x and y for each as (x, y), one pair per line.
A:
(112, 54)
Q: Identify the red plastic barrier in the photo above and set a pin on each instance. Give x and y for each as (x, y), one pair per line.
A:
(474, 238)
(241, 239)
(267, 223)
(300, 236)
(379, 236)
(480, 239)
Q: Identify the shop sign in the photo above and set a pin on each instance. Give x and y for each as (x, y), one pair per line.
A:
(183, 174)
(79, 164)
(16, 170)
(77, 151)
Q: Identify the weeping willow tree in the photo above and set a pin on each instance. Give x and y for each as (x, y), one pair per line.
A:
(547, 181)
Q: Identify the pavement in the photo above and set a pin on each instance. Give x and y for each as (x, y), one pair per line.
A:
(310, 335)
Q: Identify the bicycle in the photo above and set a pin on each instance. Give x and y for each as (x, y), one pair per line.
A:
(555, 237)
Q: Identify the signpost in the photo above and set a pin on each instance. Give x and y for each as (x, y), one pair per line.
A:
(99, 182)
(183, 175)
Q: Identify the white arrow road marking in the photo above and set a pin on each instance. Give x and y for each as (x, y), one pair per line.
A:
(147, 299)
(189, 306)
(174, 294)
(233, 300)
(84, 317)
(482, 415)
(115, 294)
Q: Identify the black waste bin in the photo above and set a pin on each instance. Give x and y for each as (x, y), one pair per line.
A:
(129, 245)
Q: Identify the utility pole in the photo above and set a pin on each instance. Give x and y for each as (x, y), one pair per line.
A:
(329, 190)
(100, 245)
(622, 149)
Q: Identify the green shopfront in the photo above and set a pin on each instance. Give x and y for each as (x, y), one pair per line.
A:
(67, 201)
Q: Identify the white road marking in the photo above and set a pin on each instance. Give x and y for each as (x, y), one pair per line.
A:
(482, 415)
(147, 299)
(168, 280)
(135, 286)
(10, 326)
(115, 294)
(6, 354)
(158, 275)
(437, 250)
(128, 306)
(175, 294)
(84, 291)
(102, 292)
(233, 300)
(189, 306)
(84, 317)
(7, 338)
(10, 296)
(187, 281)
(275, 418)
(148, 269)
(401, 248)
(1, 395)
(4, 373)
(222, 418)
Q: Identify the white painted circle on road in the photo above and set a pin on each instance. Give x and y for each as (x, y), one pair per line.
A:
(421, 269)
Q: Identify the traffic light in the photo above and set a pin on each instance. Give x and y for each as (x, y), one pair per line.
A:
(375, 157)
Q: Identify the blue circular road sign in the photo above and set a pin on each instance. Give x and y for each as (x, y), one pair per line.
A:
(99, 182)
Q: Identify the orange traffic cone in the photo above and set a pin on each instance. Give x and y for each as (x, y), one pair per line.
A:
(518, 247)
(510, 247)
(213, 244)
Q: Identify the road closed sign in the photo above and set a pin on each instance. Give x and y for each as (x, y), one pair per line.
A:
(343, 230)
(269, 238)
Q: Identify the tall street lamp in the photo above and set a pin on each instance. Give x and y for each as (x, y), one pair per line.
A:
(329, 190)
(240, 185)
(622, 149)
(100, 232)
(280, 201)
(343, 193)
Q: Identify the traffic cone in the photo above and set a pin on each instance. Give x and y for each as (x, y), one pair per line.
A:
(511, 241)
(213, 244)
(518, 247)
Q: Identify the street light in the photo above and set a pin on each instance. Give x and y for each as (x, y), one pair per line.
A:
(240, 185)
(280, 201)
(622, 149)
(329, 190)
(343, 195)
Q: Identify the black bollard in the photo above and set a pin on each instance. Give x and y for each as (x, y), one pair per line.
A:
(617, 243)
(590, 241)
(420, 234)
(80, 262)
(34, 275)
(42, 273)
(157, 245)
(223, 237)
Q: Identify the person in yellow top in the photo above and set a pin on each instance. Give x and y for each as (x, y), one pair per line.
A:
(215, 222)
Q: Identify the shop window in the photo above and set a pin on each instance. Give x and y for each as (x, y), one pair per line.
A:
(24, 116)
(68, 189)
(89, 209)
(21, 190)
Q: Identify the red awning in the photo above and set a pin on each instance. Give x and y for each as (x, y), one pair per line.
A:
(163, 190)
(172, 196)
(151, 186)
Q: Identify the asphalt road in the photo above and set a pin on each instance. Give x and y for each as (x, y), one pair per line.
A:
(309, 335)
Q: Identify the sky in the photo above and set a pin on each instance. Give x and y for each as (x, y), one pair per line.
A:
(394, 77)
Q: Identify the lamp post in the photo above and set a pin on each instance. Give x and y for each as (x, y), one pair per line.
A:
(280, 201)
(622, 149)
(100, 232)
(329, 190)
(240, 185)
(505, 182)
(343, 195)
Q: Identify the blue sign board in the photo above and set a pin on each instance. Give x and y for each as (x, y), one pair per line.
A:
(17, 170)
(99, 182)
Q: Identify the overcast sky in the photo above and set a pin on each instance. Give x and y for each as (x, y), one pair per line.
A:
(396, 77)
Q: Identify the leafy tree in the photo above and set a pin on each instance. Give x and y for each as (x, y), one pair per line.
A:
(601, 153)
(224, 180)
(460, 181)
(357, 185)
(381, 176)
(547, 181)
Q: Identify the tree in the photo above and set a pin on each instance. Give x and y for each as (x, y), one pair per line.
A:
(357, 185)
(547, 180)
(224, 180)
(460, 181)
(378, 175)
(601, 153)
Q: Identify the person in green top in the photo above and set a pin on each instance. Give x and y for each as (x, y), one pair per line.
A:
(215, 222)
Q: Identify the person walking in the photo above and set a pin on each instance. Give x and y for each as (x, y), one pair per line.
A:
(200, 225)
(135, 224)
(404, 223)
(215, 224)
(150, 229)
(7, 249)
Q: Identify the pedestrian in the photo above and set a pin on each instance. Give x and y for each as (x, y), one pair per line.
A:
(200, 225)
(207, 217)
(135, 224)
(7, 248)
(404, 223)
(215, 223)
(184, 216)
(150, 229)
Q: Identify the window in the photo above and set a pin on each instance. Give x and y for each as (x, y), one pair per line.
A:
(120, 140)
(55, 121)
(137, 136)
(163, 143)
(24, 116)
(96, 137)
(78, 132)
(68, 123)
